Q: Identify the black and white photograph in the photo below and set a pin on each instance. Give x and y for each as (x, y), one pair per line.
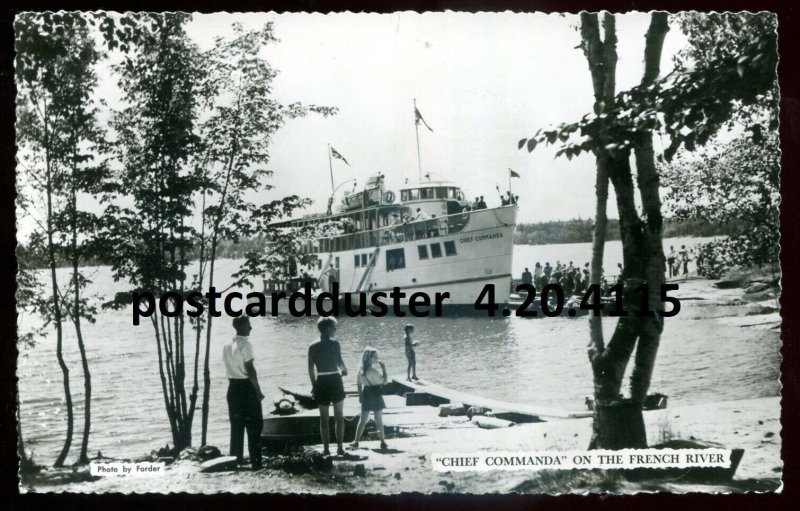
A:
(384, 253)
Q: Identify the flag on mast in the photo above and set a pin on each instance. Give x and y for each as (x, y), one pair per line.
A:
(512, 173)
(420, 119)
(336, 155)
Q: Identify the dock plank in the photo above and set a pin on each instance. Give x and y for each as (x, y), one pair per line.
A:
(496, 406)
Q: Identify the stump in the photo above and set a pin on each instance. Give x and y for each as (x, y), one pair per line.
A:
(619, 425)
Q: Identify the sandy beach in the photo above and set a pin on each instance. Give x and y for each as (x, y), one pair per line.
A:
(753, 425)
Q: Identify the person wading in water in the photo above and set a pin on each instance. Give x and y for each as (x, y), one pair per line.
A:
(326, 368)
(244, 393)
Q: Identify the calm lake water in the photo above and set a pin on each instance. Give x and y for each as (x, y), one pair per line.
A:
(541, 361)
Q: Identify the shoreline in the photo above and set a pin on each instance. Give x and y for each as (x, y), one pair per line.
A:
(752, 424)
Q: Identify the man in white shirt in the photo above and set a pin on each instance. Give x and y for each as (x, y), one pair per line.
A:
(244, 393)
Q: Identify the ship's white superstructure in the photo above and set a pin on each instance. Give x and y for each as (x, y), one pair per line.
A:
(424, 237)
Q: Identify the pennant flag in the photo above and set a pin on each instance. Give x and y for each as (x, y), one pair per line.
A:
(336, 154)
(513, 174)
(420, 119)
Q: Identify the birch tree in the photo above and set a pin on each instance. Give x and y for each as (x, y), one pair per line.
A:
(58, 136)
(150, 243)
(232, 164)
(688, 106)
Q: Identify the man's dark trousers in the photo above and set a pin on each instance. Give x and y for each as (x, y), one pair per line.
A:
(244, 409)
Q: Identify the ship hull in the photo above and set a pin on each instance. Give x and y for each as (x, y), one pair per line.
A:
(451, 268)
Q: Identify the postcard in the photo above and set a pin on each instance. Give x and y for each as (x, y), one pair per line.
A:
(439, 252)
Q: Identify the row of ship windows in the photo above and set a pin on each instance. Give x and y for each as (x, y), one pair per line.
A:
(396, 259)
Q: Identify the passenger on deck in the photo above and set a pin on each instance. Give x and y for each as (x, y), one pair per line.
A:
(477, 203)
(546, 272)
(325, 369)
(371, 379)
(397, 228)
(421, 215)
(433, 227)
(481, 203)
(411, 355)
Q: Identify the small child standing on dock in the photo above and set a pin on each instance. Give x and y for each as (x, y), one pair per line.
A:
(411, 355)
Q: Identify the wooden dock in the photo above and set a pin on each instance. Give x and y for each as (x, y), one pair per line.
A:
(497, 407)
(411, 407)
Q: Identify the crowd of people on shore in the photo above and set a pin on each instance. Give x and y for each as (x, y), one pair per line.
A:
(575, 280)
(571, 278)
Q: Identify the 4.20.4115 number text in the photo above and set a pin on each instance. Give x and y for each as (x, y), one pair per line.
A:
(551, 301)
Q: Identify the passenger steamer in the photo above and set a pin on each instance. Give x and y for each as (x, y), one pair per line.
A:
(422, 238)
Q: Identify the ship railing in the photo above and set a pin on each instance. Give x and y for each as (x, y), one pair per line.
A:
(390, 235)
(288, 286)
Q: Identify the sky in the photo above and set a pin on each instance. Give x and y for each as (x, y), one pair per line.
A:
(481, 81)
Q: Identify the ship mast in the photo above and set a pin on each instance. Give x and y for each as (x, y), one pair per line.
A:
(333, 190)
(416, 128)
(330, 165)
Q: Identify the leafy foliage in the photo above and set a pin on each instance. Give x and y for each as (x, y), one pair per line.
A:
(736, 184)
(691, 103)
(580, 231)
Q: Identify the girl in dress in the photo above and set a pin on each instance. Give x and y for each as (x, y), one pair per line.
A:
(371, 379)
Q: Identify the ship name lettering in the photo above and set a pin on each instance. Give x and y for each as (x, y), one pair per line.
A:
(482, 237)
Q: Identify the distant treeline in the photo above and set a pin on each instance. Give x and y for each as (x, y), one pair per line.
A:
(543, 233)
(580, 231)
(226, 250)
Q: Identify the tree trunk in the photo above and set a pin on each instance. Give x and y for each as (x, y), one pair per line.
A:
(51, 253)
(619, 425)
(618, 422)
(212, 260)
(648, 183)
(25, 463)
(83, 457)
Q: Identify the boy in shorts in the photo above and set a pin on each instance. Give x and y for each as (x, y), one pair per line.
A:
(325, 369)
